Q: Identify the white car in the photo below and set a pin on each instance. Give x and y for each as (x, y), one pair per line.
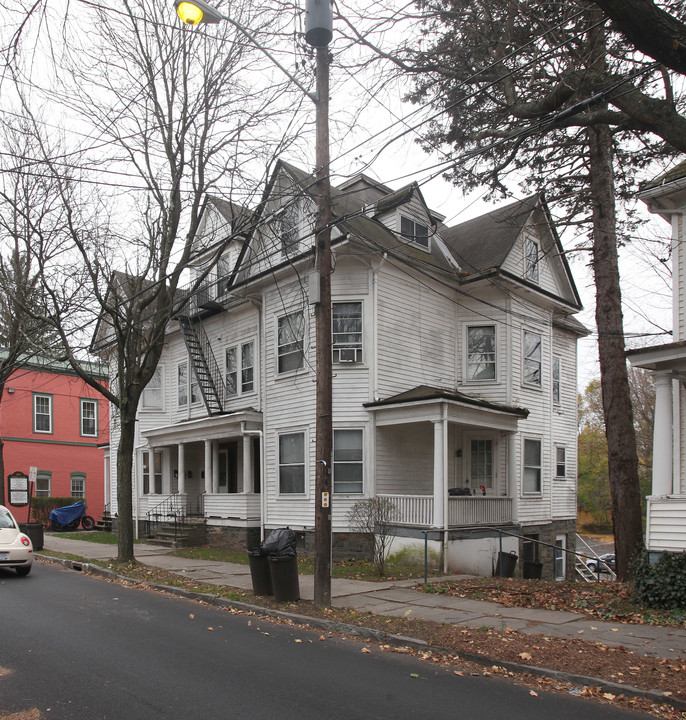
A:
(16, 549)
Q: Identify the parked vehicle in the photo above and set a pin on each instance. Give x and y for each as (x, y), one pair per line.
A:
(70, 516)
(603, 563)
(16, 549)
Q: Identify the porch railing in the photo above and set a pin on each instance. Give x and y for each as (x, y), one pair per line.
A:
(172, 509)
(417, 510)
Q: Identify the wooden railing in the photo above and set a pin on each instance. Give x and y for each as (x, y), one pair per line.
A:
(417, 510)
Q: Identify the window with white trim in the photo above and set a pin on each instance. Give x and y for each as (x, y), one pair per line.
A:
(532, 358)
(481, 352)
(152, 395)
(78, 484)
(246, 352)
(42, 413)
(89, 418)
(152, 472)
(532, 466)
(43, 479)
(346, 331)
(415, 231)
(347, 461)
(531, 259)
(290, 342)
(292, 463)
(182, 384)
(560, 461)
(556, 379)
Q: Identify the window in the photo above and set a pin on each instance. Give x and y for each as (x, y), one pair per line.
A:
(346, 327)
(247, 368)
(42, 413)
(43, 478)
(78, 484)
(292, 463)
(559, 557)
(560, 461)
(89, 417)
(531, 259)
(230, 371)
(556, 380)
(195, 388)
(481, 352)
(532, 358)
(152, 395)
(481, 459)
(347, 461)
(532, 466)
(291, 332)
(182, 384)
(152, 471)
(290, 228)
(414, 231)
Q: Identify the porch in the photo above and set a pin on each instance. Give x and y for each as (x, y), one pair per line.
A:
(418, 510)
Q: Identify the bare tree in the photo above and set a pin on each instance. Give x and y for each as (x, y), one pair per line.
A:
(165, 115)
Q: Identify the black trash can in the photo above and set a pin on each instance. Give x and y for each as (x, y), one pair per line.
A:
(506, 561)
(35, 532)
(284, 576)
(259, 571)
(532, 570)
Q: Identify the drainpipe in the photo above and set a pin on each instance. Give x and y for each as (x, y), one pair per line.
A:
(374, 334)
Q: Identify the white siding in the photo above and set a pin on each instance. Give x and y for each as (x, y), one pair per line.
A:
(667, 524)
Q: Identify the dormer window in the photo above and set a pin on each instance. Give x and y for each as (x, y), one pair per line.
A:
(414, 231)
(531, 259)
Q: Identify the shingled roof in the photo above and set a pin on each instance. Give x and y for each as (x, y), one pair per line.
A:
(485, 242)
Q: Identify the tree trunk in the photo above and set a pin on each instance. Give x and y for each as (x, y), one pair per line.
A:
(619, 426)
(127, 419)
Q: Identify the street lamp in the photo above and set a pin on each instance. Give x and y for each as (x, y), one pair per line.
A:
(318, 34)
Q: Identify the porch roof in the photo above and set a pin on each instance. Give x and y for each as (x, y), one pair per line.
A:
(425, 403)
(215, 427)
(669, 356)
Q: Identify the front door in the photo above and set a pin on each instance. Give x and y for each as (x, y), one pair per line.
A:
(228, 468)
(480, 472)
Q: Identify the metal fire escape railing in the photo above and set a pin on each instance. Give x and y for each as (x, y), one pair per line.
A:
(204, 363)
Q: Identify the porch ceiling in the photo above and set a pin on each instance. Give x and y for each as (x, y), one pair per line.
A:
(428, 404)
(215, 427)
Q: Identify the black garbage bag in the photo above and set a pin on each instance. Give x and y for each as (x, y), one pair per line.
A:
(280, 543)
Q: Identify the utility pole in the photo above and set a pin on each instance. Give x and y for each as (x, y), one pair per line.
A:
(324, 427)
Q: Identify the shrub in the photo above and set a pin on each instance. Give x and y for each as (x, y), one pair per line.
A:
(662, 585)
(374, 518)
(41, 507)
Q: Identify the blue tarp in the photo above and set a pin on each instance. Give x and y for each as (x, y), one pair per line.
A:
(68, 513)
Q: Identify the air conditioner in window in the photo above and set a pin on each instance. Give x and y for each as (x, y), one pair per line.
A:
(347, 355)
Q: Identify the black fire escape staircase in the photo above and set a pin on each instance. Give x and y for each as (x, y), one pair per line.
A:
(204, 363)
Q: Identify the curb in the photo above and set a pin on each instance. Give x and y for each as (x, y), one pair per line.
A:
(372, 634)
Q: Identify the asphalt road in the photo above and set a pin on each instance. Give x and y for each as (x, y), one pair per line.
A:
(81, 647)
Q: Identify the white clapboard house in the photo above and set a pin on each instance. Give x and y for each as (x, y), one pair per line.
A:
(454, 388)
(666, 515)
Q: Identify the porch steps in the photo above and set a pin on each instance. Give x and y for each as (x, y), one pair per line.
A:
(204, 363)
(585, 572)
(104, 523)
(192, 533)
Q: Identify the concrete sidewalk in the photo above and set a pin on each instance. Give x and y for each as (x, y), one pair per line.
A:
(399, 598)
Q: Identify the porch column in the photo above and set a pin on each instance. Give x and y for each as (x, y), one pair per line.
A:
(440, 472)
(247, 463)
(208, 466)
(662, 435)
(182, 468)
(215, 466)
